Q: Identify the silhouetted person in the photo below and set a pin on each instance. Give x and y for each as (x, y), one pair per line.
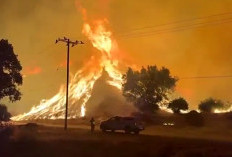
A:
(92, 124)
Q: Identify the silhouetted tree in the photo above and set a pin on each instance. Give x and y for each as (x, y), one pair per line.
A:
(147, 87)
(210, 104)
(178, 104)
(10, 77)
(4, 114)
(194, 118)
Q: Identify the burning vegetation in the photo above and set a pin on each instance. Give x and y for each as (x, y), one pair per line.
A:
(83, 81)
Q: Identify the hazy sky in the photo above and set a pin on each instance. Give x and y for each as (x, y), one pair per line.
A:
(33, 25)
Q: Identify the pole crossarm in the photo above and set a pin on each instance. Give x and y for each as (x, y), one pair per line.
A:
(68, 43)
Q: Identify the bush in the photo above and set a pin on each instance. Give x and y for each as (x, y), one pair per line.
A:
(194, 118)
(178, 104)
(209, 105)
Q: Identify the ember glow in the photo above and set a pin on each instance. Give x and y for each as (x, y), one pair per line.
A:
(225, 110)
(82, 82)
(32, 70)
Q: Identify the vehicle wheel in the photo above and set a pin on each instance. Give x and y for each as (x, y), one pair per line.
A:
(136, 132)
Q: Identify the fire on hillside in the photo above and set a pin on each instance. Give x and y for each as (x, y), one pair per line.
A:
(82, 82)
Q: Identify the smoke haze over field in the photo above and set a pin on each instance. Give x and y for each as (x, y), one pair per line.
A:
(33, 26)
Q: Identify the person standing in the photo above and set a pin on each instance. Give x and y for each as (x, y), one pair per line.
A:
(92, 124)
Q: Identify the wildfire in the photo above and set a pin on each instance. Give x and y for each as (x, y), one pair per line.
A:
(229, 109)
(82, 82)
(102, 40)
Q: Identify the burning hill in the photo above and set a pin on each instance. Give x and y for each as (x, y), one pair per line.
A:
(83, 83)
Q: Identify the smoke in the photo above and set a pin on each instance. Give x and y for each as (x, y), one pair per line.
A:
(97, 9)
(106, 100)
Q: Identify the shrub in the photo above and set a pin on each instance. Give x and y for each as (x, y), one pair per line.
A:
(210, 104)
(178, 104)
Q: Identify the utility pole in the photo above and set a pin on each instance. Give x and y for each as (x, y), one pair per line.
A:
(73, 43)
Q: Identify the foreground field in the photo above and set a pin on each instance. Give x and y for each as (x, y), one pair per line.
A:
(49, 141)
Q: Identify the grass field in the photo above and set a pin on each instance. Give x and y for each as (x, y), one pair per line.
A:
(156, 141)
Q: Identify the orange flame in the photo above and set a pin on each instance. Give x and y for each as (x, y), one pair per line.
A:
(82, 82)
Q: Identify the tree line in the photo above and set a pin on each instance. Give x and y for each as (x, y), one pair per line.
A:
(149, 87)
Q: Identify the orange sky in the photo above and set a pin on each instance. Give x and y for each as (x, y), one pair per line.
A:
(33, 26)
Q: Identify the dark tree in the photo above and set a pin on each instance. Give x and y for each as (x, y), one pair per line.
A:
(147, 87)
(10, 77)
(210, 104)
(4, 114)
(178, 104)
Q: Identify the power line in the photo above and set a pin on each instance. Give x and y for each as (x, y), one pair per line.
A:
(182, 21)
(206, 77)
(172, 30)
(179, 28)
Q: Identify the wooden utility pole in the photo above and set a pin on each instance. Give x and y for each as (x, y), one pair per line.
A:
(73, 43)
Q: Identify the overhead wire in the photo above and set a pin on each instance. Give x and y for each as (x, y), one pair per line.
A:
(206, 77)
(182, 21)
(140, 31)
(175, 29)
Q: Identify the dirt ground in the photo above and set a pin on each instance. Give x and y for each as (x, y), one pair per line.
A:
(156, 141)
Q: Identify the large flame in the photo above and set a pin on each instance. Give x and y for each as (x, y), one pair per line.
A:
(82, 82)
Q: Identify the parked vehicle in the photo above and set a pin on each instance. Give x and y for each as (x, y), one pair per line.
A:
(127, 124)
